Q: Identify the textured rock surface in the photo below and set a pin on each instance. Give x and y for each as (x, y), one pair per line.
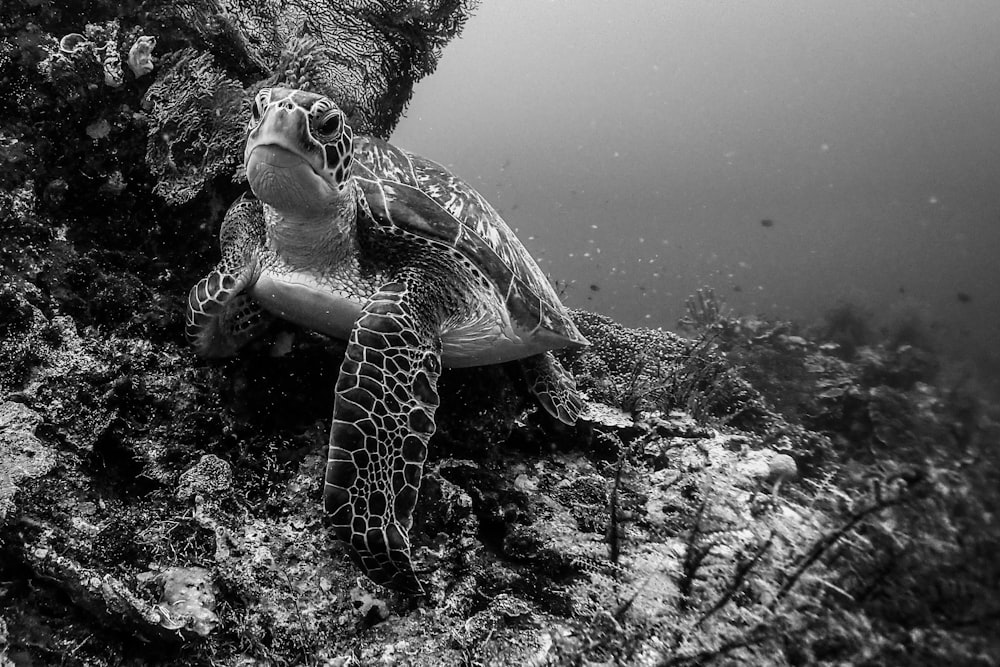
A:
(22, 455)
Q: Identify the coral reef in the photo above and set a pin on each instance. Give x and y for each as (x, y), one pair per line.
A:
(759, 494)
(643, 369)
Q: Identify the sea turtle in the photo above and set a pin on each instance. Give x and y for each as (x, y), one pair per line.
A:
(355, 238)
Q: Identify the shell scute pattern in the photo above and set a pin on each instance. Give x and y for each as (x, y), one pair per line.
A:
(420, 214)
(442, 207)
(383, 161)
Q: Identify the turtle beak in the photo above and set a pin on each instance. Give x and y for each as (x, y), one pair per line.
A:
(286, 181)
(274, 156)
(284, 127)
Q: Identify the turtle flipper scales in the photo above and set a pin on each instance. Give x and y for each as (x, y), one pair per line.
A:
(383, 417)
(554, 386)
(221, 316)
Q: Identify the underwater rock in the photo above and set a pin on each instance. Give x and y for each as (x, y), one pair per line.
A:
(4, 661)
(782, 468)
(207, 485)
(140, 55)
(22, 455)
(449, 545)
(111, 60)
(188, 600)
(608, 416)
(507, 631)
(26, 334)
(565, 517)
(98, 129)
(372, 610)
(107, 598)
(99, 44)
(211, 476)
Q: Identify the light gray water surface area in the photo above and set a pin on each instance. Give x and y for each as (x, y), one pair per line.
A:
(789, 153)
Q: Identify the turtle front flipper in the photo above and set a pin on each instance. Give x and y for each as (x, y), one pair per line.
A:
(383, 417)
(554, 386)
(221, 316)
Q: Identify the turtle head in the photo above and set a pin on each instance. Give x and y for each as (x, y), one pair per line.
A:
(299, 151)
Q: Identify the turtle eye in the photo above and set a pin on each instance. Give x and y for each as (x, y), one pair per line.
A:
(330, 124)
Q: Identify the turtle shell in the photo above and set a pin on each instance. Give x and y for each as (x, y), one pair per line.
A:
(421, 197)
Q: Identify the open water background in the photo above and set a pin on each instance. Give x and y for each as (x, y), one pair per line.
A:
(788, 153)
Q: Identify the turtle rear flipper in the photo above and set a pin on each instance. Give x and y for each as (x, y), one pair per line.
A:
(383, 417)
(221, 317)
(554, 386)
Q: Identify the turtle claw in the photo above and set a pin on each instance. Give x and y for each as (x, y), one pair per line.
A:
(220, 317)
(395, 571)
(554, 386)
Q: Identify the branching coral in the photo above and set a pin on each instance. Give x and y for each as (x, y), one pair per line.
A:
(644, 369)
(705, 312)
(196, 126)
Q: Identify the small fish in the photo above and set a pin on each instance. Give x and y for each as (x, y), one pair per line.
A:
(595, 288)
(964, 297)
(767, 222)
(737, 288)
